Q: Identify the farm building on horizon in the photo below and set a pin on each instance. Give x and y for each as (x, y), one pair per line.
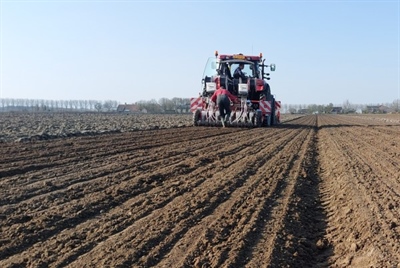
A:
(379, 109)
(129, 108)
(336, 110)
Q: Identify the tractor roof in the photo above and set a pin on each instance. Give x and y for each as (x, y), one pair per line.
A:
(239, 57)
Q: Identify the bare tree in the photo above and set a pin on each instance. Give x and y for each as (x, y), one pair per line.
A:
(98, 106)
(328, 108)
(396, 105)
(166, 104)
(108, 105)
(65, 104)
(346, 106)
(82, 105)
(92, 104)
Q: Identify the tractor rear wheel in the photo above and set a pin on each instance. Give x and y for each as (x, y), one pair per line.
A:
(196, 117)
(267, 91)
(258, 119)
(273, 116)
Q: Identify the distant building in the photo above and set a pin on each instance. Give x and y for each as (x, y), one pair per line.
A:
(384, 109)
(128, 108)
(373, 109)
(381, 109)
(336, 110)
(303, 111)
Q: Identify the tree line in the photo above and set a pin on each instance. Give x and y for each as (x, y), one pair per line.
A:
(151, 106)
(55, 105)
(346, 107)
(165, 105)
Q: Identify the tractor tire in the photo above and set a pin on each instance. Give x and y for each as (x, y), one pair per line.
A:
(273, 116)
(196, 117)
(258, 119)
(267, 91)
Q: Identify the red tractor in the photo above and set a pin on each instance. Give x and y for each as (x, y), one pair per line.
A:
(256, 107)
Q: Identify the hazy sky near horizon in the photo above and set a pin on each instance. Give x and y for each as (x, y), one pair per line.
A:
(325, 51)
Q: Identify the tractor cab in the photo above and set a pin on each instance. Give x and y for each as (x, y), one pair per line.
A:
(219, 72)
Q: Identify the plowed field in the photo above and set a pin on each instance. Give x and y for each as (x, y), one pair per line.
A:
(316, 191)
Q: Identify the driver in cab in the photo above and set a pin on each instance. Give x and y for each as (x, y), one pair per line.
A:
(239, 73)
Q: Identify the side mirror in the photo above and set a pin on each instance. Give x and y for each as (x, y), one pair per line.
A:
(272, 67)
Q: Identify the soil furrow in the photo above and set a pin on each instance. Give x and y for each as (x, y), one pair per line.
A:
(253, 191)
(359, 208)
(102, 198)
(267, 248)
(57, 183)
(198, 205)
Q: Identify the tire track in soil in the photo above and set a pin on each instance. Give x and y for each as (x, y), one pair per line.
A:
(360, 194)
(296, 239)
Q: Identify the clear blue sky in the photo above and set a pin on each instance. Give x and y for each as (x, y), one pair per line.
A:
(325, 51)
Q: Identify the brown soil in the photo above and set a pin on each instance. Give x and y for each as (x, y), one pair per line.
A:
(316, 191)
